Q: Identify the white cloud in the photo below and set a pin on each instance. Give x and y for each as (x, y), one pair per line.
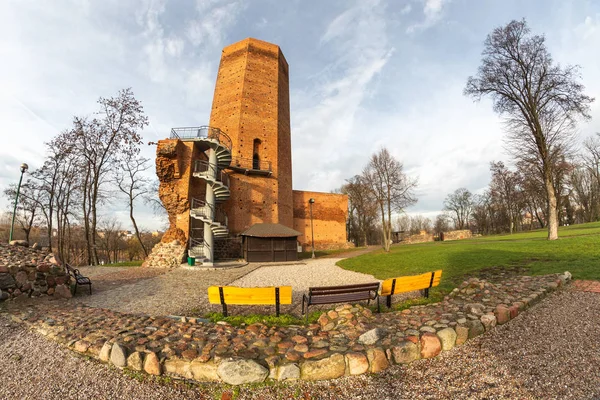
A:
(432, 11)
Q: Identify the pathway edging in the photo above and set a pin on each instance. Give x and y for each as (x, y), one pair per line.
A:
(348, 340)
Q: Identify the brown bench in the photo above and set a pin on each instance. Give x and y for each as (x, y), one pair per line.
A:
(340, 294)
(79, 279)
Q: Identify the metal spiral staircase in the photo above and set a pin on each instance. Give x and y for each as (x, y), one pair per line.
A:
(217, 146)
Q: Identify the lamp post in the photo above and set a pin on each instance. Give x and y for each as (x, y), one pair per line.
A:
(312, 232)
(24, 167)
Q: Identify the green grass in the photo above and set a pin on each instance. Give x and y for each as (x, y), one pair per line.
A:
(577, 251)
(269, 320)
(136, 263)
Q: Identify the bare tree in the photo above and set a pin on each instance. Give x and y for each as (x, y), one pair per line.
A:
(392, 188)
(419, 223)
(459, 205)
(540, 101)
(403, 223)
(28, 209)
(441, 223)
(131, 182)
(505, 189)
(362, 210)
(101, 142)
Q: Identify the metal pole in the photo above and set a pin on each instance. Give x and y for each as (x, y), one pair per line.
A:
(312, 231)
(12, 225)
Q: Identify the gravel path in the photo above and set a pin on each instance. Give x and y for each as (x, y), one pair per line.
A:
(144, 290)
(301, 276)
(176, 292)
(551, 351)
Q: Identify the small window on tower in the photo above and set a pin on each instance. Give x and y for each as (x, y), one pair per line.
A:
(256, 154)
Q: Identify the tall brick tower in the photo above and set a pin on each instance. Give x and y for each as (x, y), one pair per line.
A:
(251, 105)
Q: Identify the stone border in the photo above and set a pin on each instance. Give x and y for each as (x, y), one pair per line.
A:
(349, 340)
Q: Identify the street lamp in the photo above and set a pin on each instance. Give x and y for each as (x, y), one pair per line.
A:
(24, 167)
(312, 232)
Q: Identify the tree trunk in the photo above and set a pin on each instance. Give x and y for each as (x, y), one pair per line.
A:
(552, 208)
(137, 231)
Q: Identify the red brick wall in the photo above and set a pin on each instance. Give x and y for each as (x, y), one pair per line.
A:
(251, 101)
(330, 212)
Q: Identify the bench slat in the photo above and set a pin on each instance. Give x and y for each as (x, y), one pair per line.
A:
(250, 296)
(410, 283)
(334, 290)
(341, 298)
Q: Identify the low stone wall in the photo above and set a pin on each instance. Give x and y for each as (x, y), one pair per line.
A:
(28, 272)
(349, 340)
(418, 238)
(166, 255)
(228, 249)
(456, 235)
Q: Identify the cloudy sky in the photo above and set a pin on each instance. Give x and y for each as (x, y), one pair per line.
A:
(363, 74)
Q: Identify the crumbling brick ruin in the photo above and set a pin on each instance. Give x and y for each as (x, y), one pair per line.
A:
(218, 181)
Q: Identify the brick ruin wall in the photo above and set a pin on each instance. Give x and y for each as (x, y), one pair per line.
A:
(330, 212)
(456, 235)
(251, 105)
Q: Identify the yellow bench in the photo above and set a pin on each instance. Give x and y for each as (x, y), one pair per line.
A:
(404, 284)
(234, 295)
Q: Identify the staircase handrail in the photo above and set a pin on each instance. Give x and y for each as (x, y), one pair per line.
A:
(204, 166)
(201, 132)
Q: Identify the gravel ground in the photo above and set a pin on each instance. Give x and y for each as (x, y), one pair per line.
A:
(551, 351)
(301, 276)
(160, 292)
(144, 290)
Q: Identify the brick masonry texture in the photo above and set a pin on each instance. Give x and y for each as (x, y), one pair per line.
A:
(251, 105)
(330, 212)
(456, 235)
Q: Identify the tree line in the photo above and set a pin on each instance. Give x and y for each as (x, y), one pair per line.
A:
(92, 164)
(552, 183)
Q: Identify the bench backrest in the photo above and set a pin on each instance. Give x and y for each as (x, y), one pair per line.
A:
(410, 283)
(248, 296)
(335, 290)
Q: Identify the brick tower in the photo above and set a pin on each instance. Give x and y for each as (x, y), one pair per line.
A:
(251, 105)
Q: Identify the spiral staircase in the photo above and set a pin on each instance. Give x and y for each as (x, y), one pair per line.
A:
(216, 145)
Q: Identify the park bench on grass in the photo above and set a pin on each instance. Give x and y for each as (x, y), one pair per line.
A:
(234, 295)
(340, 294)
(404, 284)
(79, 279)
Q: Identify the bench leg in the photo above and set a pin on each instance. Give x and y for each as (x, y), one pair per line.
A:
(426, 292)
(224, 309)
(378, 308)
(388, 301)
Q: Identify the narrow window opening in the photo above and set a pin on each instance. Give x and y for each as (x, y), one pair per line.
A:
(256, 154)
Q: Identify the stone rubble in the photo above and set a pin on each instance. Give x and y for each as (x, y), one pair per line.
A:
(29, 272)
(166, 255)
(348, 340)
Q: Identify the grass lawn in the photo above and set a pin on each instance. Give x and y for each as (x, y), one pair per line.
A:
(577, 251)
(125, 264)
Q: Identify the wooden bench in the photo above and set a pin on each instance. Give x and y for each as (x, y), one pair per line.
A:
(79, 279)
(234, 295)
(340, 294)
(424, 282)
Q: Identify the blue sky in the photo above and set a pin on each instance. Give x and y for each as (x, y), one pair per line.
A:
(363, 74)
